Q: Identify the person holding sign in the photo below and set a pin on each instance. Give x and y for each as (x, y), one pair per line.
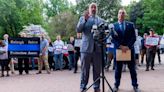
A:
(23, 62)
(124, 44)
(151, 44)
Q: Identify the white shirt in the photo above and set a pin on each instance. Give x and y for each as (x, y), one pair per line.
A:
(58, 46)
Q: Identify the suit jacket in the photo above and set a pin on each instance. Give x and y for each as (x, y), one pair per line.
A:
(127, 38)
(84, 27)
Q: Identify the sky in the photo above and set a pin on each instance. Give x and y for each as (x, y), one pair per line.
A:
(124, 2)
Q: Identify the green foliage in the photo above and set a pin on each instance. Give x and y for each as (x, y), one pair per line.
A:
(63, 24)
(55, 7)
(154, 15)
(1, 33)
(60, 16)
(148, 14)
(17, 13)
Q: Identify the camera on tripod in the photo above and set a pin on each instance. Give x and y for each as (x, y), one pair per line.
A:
(102, 31)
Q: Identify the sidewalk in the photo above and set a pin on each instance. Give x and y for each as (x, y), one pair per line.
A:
(66, 81)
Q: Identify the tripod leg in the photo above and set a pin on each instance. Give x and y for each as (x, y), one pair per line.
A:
(108, 84)
(93, 83)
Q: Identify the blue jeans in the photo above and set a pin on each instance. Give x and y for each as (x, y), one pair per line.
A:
(71, 60)
(58, 58)
(32, 63)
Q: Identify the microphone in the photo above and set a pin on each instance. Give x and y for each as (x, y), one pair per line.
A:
(111, 27)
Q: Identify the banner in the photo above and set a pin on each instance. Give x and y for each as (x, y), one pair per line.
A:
(24, 47)
(153, 41)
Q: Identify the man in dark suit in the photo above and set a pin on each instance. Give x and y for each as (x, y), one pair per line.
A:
(125, 41)
(90, 51)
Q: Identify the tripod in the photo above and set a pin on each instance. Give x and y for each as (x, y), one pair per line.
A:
(102, 76)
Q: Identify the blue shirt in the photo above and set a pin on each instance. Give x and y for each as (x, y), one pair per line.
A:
(44, 44)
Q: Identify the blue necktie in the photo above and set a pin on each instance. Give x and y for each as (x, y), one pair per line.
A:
(122, 27)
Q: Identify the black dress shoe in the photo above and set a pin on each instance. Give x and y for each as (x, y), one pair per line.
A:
(136, 89)
(147, 69)
(97, 90)
(83, 90)
(27, 72)
(39, 72)
(152, 69)
(115, 89)
(20, 73)
(7, 75)
(2, 75)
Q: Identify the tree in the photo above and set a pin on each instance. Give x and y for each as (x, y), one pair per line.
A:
(135, 11)
(63, 24)
(55, 7)
(17, 13)
(153, 16)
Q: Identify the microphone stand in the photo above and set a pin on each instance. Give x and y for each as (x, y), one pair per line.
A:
(102, 76)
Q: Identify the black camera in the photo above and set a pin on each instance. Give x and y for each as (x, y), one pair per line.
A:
(100, 31)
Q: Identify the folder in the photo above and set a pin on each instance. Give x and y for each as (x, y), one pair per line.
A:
(121, 56)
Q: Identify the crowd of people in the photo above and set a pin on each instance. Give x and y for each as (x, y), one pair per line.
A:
(143, 53)
(53, 54)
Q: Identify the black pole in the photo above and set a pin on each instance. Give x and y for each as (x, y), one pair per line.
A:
(103, 61)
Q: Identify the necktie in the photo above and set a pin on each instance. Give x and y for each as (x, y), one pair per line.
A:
(122, 27)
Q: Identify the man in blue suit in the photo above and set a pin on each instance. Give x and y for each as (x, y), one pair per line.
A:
(90, 51)
(125, 41)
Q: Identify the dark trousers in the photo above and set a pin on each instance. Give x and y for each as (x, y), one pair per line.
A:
(159, 57)
(86, 60)
(77, 56)
(150, 57)
(26, 65)
(71, 60)
(143, 53)
(118, 72)
(4, 65)
(51, 61)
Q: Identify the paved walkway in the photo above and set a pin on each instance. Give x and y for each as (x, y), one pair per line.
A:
(66, 81)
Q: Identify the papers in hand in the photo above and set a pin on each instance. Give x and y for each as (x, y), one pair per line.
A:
(121, 56)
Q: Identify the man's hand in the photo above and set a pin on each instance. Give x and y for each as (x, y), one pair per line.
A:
(124, 48)
(86, 15)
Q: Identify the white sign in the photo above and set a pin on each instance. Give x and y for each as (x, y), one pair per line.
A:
(153, 41)
(50, 49)
(70, 47)
(77, 43)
